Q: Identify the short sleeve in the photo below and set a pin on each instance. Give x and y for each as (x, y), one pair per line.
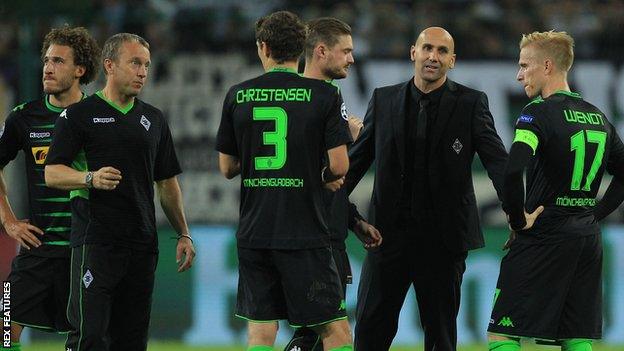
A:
(67, 141)
(166, 164)
(337, 125)
(10, 141)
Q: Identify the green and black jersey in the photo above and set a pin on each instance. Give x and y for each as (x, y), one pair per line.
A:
(573, 143)
(280, 126)
(338, 201)
(137, 141)
(30, 128)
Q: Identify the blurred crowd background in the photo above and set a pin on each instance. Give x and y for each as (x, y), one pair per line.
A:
(483, 29)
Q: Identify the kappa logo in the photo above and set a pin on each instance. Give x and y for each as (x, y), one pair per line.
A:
(343, 112)
(40, 153)
(40, 135)
(87, 279)
(145, 122)
(104, 120)
(64, 114)
(506, 322)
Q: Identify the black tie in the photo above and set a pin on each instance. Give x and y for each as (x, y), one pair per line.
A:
(420, 156)
(421, 134)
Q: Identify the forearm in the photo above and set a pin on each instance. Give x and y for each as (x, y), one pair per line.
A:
(171, 202)
(354, 216)
(513, 184)
(6, 212)
(65, 178)
(229, 165)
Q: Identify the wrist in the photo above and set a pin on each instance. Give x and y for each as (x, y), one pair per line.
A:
(89, 180)
(188, 236)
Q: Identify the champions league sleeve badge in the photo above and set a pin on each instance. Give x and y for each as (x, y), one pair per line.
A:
(343, 112)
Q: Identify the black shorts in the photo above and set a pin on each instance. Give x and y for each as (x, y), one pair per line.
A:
(302, 286)
(550, 291)
(344, 268)
(111, 298)
(39, 290)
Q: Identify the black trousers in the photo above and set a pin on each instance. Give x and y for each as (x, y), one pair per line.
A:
(408, 258)
(110, 299)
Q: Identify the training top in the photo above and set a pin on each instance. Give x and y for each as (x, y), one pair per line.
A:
(137, 141)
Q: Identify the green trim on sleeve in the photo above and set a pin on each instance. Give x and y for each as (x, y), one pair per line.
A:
(80, 164)
(527, 137)
(57, 243)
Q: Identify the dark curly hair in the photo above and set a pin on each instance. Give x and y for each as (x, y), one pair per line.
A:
(86, 50)
(284, 33)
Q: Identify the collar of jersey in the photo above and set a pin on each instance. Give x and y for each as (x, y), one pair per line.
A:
(569, 93)
(125, 110)
(282, 69)
(56, 109)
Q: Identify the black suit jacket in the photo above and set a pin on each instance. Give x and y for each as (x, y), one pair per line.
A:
(463, 119)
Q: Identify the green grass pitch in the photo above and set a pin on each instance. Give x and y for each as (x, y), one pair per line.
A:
(173, 346)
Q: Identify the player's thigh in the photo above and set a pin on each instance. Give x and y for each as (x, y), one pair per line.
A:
(531, 291)
(344, 268)
(61, 293)
(132, 303)
(582, 313)
(32, 281)
(96, 271)
(311, 286)
(260, 293)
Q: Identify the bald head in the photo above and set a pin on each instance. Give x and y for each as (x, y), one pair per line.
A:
(433, 55)
(436, 34)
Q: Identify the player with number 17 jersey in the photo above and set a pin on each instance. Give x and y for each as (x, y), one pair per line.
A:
(572, 141)
(549, 285)
(279, 125)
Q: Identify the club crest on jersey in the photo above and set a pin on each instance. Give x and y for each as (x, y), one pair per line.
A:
(145, 122)
(525, 119)
(104, 120)
(343, 112)
(87, 279)
(40, 153)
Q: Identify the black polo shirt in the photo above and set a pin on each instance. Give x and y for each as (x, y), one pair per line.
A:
(137, 141)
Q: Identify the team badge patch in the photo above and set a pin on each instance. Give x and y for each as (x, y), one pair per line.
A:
(87, 279)
(343, 112)
(40, 153)
(145, 122)
(525, 119)
(457, 146)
